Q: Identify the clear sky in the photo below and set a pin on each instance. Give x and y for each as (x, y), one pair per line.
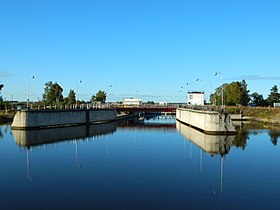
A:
(149, 49)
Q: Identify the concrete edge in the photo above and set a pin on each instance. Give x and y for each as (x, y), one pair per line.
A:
(209, 132)
(59, 125)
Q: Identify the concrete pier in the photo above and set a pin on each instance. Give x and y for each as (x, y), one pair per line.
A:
(209, 122)
(33, 119)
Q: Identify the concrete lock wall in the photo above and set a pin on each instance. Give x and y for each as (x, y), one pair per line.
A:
(28, 119)
(210, 122)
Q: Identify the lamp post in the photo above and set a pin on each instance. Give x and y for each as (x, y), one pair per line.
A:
(182, 91)
(77, 93)
(221, 77)
(187, 96)
(107, 93)
(28, 91)
(201, 92)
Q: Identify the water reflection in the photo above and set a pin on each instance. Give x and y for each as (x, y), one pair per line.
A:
(31, 138)
(245, 129)
(154, 172)
(274, 136)
(210, 144)
(150, 122)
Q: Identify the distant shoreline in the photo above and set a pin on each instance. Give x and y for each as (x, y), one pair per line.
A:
(266, 115)
(6, 118)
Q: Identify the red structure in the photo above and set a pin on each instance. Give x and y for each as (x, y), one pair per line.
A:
(147, 109)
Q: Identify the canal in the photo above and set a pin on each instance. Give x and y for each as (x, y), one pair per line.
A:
(154, 163)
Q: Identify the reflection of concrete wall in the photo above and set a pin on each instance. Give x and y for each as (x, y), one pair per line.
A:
(209, 143)
(210, 122)
(47, 136)
(47, 118)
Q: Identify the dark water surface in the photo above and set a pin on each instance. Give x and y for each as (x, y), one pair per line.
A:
(156, 164)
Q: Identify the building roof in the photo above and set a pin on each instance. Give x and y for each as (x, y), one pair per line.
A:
(195, 92)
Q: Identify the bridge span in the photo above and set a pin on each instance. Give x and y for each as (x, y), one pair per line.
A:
(146, 109)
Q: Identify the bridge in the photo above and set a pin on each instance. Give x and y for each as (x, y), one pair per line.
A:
(146, 109)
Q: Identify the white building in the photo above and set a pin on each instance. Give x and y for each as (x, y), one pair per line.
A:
(196, 97)
(276, 104)
(132, 102)
(162, 103)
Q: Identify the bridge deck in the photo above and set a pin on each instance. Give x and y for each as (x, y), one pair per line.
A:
(146, 109)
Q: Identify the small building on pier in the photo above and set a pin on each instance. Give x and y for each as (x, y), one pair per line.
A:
(196, 98)
(134, 102)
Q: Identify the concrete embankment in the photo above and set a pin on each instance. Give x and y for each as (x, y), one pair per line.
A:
(209, 122)
(32, 119)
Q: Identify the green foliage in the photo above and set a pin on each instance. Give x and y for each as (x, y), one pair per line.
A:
(274, 96)
(235, 93)
(1, 86)
(99, 96)
(258, 99)
(232, 94)
(53, 93)
(245, 98)
(71, 98)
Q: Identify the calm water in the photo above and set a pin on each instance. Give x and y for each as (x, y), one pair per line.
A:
(151, 164)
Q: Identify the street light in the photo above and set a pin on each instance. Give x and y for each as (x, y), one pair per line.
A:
(77, 93)
(28, 91)
(182, 91)
(201, 92)
(216, 73)
(187, 96)
(107, 93)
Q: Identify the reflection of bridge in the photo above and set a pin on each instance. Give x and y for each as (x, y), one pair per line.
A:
(146, 109)
(148, 126)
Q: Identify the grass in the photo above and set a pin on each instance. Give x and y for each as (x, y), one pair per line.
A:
(264, 114)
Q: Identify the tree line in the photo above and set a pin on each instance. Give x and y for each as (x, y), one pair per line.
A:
(236, 93)
(53, 95)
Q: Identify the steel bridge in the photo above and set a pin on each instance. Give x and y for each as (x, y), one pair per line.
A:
(146, 109)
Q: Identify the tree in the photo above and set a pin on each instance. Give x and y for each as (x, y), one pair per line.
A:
(216, 98)
(245, 98)
(1, 86)
(274, 96)
(235, 93)
(232, 94)
(53, 93)
(258, 99)
(71, 98)
(100, 96)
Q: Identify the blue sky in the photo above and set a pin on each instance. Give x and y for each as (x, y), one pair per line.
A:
(149, 49)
